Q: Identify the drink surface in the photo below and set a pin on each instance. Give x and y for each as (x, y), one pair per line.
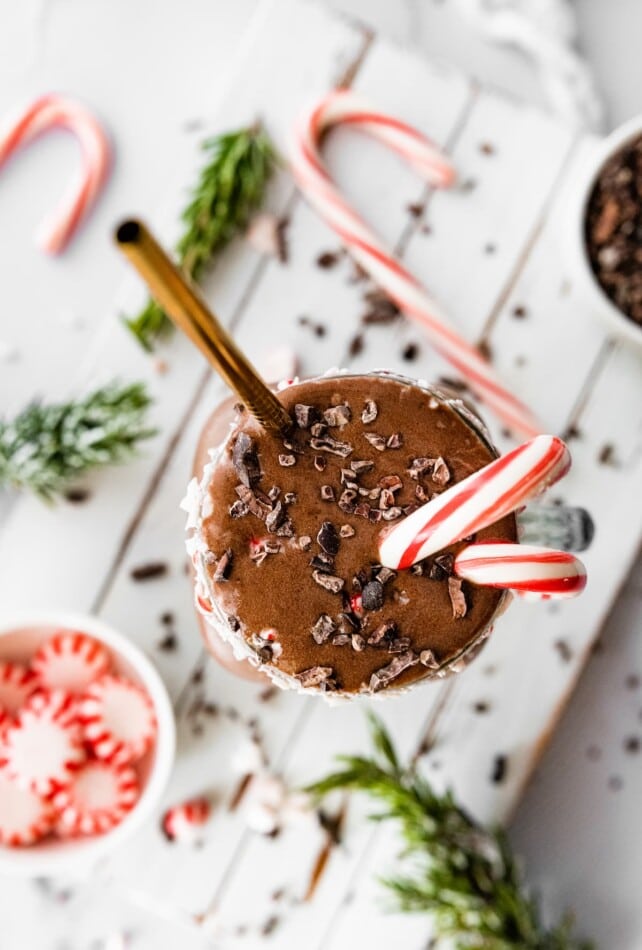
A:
(291, 528)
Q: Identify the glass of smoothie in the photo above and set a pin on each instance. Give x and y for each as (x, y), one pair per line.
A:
(284, 535)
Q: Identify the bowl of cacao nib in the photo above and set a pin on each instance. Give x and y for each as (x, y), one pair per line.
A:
(608, 231)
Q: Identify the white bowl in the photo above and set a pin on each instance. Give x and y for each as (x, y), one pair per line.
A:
(20, 635)
(594, 297)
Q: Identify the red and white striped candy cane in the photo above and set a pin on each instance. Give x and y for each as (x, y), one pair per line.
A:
(50, 112)
(480, 500)
(524, 568)
(342, 107)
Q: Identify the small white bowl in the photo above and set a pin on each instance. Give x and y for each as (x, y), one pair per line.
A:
(595, 298)
(20, 636)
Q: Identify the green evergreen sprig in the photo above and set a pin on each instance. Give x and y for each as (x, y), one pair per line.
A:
(46, 448)
(463, 875)
(231, 186)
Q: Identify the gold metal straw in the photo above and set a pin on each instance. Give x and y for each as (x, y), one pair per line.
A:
(184, 304)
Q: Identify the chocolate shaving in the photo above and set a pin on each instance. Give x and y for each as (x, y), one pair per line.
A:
(245, 460)
(457, 598)
(329, 581)
(147, 572)
(287, 461)
(275, 518)
(328, 538)
(385, 631)
(338, 415)
(223, 567)
(305, 416)
(359, 466)
(378, 442)
(386, 674)
(370, 411)
(321, 676)
(258, 508)
(323, 628)
(326, 444)
(428, 659)
(440, 472)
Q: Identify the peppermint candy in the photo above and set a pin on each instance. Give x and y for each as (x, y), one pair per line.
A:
(181, 822)
(25, 817)
(44, 746)
(70, 660)
(118, 719)
(97, 799)
(17, 684)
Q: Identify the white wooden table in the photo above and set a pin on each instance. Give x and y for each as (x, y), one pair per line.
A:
(503, 233)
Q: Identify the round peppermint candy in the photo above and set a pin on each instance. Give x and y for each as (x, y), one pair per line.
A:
(70, 660)
(25, 817)
(97, 799)
(118, 719)
(43, 746)
(17, 684)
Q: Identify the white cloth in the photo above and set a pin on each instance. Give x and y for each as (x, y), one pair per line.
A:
(546, 31)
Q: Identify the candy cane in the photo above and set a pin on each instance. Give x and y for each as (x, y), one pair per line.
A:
(50, 112)
(480, 500)
(345, 108)
(524, 568)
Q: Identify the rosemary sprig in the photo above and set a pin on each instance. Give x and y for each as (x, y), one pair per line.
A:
(465, 876)
(45, 448)
(231, 186)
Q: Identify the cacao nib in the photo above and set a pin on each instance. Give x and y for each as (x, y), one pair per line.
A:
(327, 493)
(440, 472)
(323, 628)
(457, 598)
(370, 411)
(386, 674)
(338, 415)
(359, 466)
(328, 538)
(346, 531)
(385, 631)
(327, 444)
(275, 518)
(321, 676)
(245, 460)
(238, 510)
(287, 461)
(320, 463)
(428, 659)
(330, 582)
(223, 567)
(305, 415)
(376, 441)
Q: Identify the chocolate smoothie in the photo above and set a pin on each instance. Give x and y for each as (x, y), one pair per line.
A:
(287, 532)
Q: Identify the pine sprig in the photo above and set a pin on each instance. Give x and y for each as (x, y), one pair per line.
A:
(46, 448)
(465, 876)
(231, 186)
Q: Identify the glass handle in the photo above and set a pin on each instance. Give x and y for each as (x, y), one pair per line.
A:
(556, 526)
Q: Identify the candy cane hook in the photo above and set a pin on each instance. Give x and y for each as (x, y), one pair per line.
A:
(51, 112)
(342, 107)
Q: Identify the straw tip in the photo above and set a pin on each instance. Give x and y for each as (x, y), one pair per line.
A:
(128, 232)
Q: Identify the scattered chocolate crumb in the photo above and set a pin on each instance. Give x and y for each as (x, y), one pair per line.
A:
(168, 643)
(346, 531)
(410, 352)
(381, 310)
(223, 567)
(356, 345)
(490, 248)
(287, 461)
(167, 618)
(440, 472)
(305, 416)
(500, 769)
(415, 209)
(457, 598)
(150, 571)
(245, 460)
(77, 496)
(372, 596)
(572, 431)
(370, 411)
(328, 538)
(327, 493)
(632, 681)
(485, 350)
(329, 581)
(519, 312)
(322, 676)
(481, 707)
(328, 259)
(317, 328)
(487, 148)
(386, 674)
(378, 442)
(606, 454)
(615, 783)
(270, 925)
(632, 745)
(267, 694)
(427, 658)
(282, 249)
(233, 622)
(323, 628)
(564, 650)
(338, 415)
(468, 184)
